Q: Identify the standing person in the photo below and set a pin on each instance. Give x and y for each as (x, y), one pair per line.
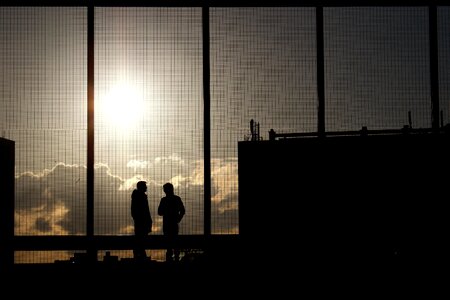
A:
(172, 210)
(142, 219)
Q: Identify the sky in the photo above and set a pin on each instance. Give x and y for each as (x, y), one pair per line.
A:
(149, 99)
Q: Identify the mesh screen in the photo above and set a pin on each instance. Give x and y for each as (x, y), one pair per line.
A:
(376, 68)
(444, 62)
(148, 113)
(263, 67)
(43, 109)
(149, 101)
(43, 257)
(155, 255)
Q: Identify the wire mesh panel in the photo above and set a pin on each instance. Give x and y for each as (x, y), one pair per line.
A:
(149, 100)
(43, 257)
(444, 62)
(124, 255)
(263, 67)
(376, 67)
(148, 113)
(43, 109)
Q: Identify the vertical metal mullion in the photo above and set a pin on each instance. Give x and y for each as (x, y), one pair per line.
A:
(320, 73)
(434, 66)
(92, 253)
(206, 123)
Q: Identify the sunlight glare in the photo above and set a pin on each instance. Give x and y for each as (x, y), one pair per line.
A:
(123, 106)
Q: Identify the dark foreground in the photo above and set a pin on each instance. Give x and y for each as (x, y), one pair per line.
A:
(213, 277)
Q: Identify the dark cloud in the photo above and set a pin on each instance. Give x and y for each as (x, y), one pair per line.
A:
(43, 225)
(51, 202)
(225, 215)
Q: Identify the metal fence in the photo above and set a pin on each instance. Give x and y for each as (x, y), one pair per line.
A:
(98, 95)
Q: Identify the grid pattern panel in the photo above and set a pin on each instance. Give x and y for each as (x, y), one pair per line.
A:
(148, 113)
(444, 62)
(43, 257)
(376, 68)
(263, 67)
(43, 109)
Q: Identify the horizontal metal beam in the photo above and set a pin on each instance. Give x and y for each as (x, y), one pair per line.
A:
(223, 3)
(405, 130)
(49, 243)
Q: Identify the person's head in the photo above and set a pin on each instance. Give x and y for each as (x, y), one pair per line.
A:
(168, 188)
(142, 186)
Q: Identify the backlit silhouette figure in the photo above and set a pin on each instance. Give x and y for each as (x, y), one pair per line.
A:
(142, 218)
(172, 210)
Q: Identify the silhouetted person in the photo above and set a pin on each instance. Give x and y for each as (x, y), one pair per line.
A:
(172, 210)
(142, 219)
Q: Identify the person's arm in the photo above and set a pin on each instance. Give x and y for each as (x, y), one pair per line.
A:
(182, 211)
(161, 207)
(133, 206)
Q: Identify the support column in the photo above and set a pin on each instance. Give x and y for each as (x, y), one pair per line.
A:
(206, 123)
(320, 73)
(92, 252)
(434, 66)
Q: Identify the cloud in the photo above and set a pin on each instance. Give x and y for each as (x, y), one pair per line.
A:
(53, 201)
(173, 158)
(227, 204)
(42, 220)
(225, 215)
(224, 174)
(128, 229)
(43, 225)
(32, 257)
(45, 172)
(137, 164)
(178, 180)
(196, 177)
(107, 170)
(47, 199)
(130, 183)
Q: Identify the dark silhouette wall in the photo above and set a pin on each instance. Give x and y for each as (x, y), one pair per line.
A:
(6, 203)
(348, 199)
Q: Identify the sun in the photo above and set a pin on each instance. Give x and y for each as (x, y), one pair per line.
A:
(122, 106)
